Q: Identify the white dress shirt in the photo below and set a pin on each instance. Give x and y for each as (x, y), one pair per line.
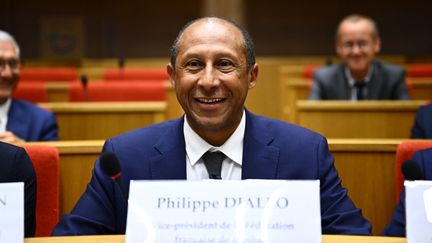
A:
(232, 148)
(4, 109)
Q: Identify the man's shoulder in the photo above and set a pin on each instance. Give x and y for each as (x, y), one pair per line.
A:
(328, 71)
(29, 107)
(426, 109)
(389, 67)
(149, 133)
(8, 150)
(283, 131)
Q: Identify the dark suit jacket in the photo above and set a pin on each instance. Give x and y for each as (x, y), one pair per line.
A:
(387, 83)
(31, 122)
(272, 150)
(396, 227)
(423, 123)
(15, 166)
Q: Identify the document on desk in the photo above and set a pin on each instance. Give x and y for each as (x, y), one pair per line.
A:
(223, 211)
(12, 212)
(418, 211)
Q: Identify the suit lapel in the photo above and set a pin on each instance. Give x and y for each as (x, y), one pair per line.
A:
(343, 82)
(375, 82)
(260, 159)
(18, 121)
(170, 159)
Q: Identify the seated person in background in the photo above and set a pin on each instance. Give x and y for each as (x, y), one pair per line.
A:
(422, 128)
(360, 76)
(16, 166)
(20, 121)
(396, 227)
(212, 68)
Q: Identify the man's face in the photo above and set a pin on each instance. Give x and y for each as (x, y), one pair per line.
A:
(9, 70)
(356, 45)
(211, 77)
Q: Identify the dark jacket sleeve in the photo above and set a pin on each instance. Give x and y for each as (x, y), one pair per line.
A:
(339, 215)
(100, 210)
(397, 225)
(24, 171)
(49, 130)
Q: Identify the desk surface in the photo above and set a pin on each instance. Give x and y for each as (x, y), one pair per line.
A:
(120, 238)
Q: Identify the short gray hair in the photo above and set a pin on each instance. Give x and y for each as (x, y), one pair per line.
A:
(5, 36)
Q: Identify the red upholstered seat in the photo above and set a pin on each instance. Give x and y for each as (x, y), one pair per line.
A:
(419, 70)
(405, 151)
(31, 91)
(135, 74)
(309, 70)
(49, 74)
(46, 163)
(118, 91)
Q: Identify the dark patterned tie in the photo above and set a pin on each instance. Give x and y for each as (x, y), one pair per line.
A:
(213, 163)
(360, 87)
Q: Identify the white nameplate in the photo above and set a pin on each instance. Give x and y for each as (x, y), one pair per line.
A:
(12, 212)
(419, 211)
(224, 211)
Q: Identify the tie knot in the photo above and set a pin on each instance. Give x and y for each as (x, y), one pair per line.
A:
(213, 162)
(359, 83)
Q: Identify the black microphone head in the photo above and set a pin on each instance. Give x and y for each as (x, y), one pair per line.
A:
(110, 165)
(84, 80)
(412, 171)
(121, 62)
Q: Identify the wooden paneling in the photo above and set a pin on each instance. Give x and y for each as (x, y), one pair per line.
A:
(101, 120)
(366, 119)
(366, 167)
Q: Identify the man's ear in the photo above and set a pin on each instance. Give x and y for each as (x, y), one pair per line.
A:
(171, 73)
(377, 45)
(253, 75)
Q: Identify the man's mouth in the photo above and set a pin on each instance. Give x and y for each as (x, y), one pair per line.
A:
(209, 101)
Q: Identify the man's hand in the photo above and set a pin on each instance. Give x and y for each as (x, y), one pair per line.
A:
(10, 137)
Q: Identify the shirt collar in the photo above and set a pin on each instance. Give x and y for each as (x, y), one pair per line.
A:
(4, 108)
(232, 148)
(351, 80)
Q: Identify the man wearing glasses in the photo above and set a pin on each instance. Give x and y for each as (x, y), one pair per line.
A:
(360, 76)
(20, 121)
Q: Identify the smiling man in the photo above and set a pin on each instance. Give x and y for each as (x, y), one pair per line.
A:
(360, 76)
(20, 120)
(212, 69)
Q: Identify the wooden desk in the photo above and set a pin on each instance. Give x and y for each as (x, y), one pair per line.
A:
(59, 92)
(101, 120)
(366, 167)
(293, 89)
(366, 119)
(121, 239)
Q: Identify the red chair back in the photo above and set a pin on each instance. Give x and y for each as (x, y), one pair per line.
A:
(49, 74)
(46, 163)
(135, 74)
(405, 151)
(309, 70)
(118, 91)
(31, 91)
(419, 70)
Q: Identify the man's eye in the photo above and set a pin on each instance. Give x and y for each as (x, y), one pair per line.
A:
(194, 64)
(225, 64)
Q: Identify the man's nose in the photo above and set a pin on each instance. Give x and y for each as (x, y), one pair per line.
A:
(356, 49)
(209, 78)
(6, 71)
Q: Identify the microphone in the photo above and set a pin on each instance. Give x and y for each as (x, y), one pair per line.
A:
(84, 83)
(412, 171)
(111, 167)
